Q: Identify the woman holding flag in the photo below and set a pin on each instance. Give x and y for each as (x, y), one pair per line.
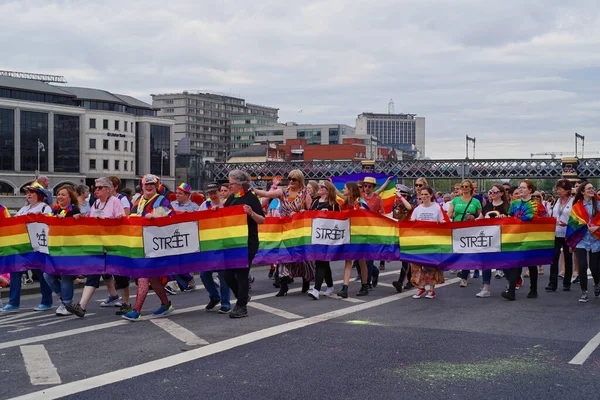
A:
(583, 236)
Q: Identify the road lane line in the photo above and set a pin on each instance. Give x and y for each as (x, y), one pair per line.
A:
(83, 385)
(64, 319)
(275, 311)
(19, 330)
(92, 328)
(186, 336)
(47, 314)
(348, 300)
(17, 316)
(587, 351)
(39, 366)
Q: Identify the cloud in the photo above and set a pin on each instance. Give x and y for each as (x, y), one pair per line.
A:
(521, 77)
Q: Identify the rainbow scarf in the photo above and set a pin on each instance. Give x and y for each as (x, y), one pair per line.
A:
(57, 210)
(577, 226)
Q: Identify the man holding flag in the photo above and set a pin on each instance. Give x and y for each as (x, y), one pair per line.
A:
(375, 204)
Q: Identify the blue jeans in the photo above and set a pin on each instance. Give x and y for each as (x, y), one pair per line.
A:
(15, 290)
(486, 275)
(211, 288)
(62, 286)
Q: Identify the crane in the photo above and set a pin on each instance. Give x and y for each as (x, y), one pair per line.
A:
(558, 153)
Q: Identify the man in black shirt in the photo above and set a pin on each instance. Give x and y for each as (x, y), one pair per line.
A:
(237, 278)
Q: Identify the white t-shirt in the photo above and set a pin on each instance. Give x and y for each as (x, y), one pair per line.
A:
(125, 202)
(39, 208)
(447, 205)
(433, 213)
(561, 213)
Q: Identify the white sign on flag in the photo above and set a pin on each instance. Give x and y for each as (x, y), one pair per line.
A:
(174, 239)
(477, 239)
(38, 236)
(330, 231)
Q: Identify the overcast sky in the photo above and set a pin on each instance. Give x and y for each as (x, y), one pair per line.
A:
(520, 76)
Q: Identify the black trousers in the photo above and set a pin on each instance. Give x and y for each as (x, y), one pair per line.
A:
(582, 264)
(237, 280)
(515, 275)
(559, 243)
(405, 272)
(323, 272)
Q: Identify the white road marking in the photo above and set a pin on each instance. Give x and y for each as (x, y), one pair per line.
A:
(16, 316)
(276, 311)
(19, 330)
(64, 319)
(587, 351)
(186, 336)
(348, 300)
(47, 314)
(39, 366)
(82, 385)
(92, 328)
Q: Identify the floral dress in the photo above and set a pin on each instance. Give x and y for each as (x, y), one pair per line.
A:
(305, 269)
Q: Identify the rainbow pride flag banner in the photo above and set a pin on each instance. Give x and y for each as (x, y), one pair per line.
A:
(134, 247)
(328, 236)
(388, 194)
(483, 244)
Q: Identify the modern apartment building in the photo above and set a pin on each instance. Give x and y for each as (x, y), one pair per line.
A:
(405, 132)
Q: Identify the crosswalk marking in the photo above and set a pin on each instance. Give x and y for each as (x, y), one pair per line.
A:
(65, 318)
(186, 336)
(348, 300)
(47, 314)
(39, 366)
(276, 311)
(11, 317)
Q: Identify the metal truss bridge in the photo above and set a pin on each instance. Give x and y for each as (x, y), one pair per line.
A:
(413, 169)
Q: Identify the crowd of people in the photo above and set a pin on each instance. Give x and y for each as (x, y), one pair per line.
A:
(575, 206)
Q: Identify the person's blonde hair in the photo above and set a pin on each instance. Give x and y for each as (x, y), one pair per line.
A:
(296, 173)
(315, 187)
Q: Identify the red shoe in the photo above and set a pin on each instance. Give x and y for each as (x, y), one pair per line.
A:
(430, 295)
(420, 293)
(519, 283)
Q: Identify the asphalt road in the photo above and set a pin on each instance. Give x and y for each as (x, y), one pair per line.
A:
(384, 346)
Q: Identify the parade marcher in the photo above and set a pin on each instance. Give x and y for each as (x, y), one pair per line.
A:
(237, 278)
(292, 199)
(83, 192)
(225, 191)
(496, 207)
(430, 211)
(106, 206)
(353, 201)
(561, 211)
(325, 202)
(45, 182)
(36, 195)
(375, 204)
(401, 211)
(583, 237)
(62, 285)
(151, 205)
(214, 202)
(526, 208)
(465, 208)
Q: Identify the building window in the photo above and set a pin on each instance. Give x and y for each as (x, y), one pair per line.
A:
(131, 147)
(132, 166)
(66, 143)
(125, 164)
(125, 126)
(116, 145)
(92, 164)
(34, 127)
(132, 127)
(160, 144)
(125, 144)
(169, 110)
(92, 123)
(105, 144)
(104, 164)
(7, 137)
(116, 125)
(92, 143)
(104, 124)
(117, 165)
(168, 101)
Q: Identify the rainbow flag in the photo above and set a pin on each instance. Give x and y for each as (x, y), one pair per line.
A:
(388, 194)
(134, 247)
(482, 244)
(577, 226)
(328, 236)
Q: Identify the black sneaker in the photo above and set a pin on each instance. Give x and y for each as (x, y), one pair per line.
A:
(576, 280)
(224, 310)
(75, 309)
(239, 312)
(375, 281)
(398, 286)
(597, 291)
(170, 290)
(508, 296)
(567, 288)
(124, 309)
(211, 304)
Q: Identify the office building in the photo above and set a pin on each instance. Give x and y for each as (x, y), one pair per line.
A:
(404, 132)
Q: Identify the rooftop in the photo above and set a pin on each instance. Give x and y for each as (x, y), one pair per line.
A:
(252, 151)
(31, 85)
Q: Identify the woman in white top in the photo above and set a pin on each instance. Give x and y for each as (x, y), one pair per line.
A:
(561, 211)
(430, 211)
(35, 197)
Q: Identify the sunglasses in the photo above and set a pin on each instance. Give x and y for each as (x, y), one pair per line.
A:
(360, 186)
(322, 187)
(293, 179)
(493, 192)
(536, 196)
(418, 185)
(465, 186)
(99, 187)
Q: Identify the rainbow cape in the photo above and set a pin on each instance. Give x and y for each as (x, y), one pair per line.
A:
(577, 226)
(387, 195)
(481, 244)
(134, 247)
(328, 236)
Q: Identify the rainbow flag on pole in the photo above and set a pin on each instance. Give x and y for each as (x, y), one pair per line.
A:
(388, 194)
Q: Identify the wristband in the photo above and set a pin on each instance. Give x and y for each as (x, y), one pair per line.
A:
(274, 187)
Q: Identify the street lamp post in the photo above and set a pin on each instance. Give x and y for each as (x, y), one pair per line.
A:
(40, 147)
(163, 156)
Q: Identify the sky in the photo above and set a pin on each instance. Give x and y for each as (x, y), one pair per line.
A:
(520, 76)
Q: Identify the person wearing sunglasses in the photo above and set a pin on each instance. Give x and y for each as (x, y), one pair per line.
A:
(583, 237)
(495, 208)
(465, 208)
(292, 199)
(419, 183)
(526, 209)
(561, 211)
(401, 211)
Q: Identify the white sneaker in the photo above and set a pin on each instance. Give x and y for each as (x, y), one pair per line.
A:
(313, 293)
(328, 291)
(484, 293)
(463, 283)
(62, 311)
(112, 302)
